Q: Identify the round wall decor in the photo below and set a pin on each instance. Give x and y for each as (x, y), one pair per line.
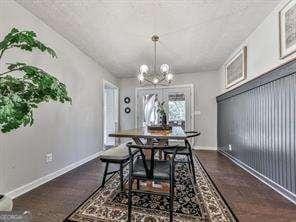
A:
(127, 100)
(127, 110)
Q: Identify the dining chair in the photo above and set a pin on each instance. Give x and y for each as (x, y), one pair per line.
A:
(143, 168)
(186, 150)
(117, 155)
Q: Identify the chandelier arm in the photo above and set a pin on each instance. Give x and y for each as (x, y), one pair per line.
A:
(147, 80)
(163, 78)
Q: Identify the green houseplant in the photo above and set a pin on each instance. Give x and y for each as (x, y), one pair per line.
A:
(23, 87)
(161, 111)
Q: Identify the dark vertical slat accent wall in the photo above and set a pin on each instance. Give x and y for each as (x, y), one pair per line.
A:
(257, 120)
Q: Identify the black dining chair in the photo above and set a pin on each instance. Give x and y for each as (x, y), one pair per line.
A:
(141, 168)
(117, 155)
(186, 150)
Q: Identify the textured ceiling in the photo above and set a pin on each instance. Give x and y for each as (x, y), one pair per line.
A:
(194, 35)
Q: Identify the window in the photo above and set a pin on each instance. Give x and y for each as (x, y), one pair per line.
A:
(177, 109)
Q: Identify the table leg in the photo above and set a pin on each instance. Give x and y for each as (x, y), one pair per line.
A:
(137, 141)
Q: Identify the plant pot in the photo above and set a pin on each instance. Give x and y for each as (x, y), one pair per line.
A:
(6, 203)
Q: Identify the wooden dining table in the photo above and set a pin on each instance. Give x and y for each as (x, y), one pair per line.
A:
(138, 134)
(177, 133)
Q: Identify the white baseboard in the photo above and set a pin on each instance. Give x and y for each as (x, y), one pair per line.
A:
(36, 183)
(276, 187)
(204, 148)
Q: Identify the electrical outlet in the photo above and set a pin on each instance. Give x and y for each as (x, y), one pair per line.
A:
(230, 147)
(197, 112)
(48, 157)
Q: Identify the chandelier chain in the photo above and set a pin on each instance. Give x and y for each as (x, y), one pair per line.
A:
(154, 57)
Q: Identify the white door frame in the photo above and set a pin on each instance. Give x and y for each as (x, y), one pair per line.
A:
(107, 83)
(191, 86)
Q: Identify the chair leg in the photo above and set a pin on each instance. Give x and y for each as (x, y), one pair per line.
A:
(160, 154)
(189, 162)
(138, 184)
(172, 184)
(130, 187)
(165, 156)
(129, 213)
(105, 174)
(121, 176)
(192, 167)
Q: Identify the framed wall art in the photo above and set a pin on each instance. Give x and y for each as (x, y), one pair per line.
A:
(287, 21)
(127, 100)
(236, 68)
(127, 110)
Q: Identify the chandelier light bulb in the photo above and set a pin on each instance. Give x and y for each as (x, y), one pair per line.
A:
(143, 69)
(169, 77)
(155, 80)
(164, 68)
(141, 77)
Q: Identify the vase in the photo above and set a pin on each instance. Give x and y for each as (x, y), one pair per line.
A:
(163, 120)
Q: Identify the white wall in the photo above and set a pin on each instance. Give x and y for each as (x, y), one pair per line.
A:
(70, 132)
(263, 49)
(206, 87)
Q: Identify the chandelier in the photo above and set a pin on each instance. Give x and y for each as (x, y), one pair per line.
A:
(163, 77)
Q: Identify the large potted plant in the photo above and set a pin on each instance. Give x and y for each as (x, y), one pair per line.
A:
(22, 86)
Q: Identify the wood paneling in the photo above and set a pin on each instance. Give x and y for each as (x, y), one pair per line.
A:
(258, 121)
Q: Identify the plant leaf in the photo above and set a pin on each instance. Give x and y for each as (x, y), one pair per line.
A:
(19, 96)
(25, 40)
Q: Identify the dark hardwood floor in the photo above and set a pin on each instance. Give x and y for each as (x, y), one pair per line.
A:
(55, 200)
(248, 198)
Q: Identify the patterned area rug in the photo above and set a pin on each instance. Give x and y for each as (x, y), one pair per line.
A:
(200, 202)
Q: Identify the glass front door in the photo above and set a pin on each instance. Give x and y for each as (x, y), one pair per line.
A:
(177, 105)
(177, 109)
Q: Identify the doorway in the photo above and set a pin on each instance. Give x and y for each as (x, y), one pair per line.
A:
(178, 103)
(111, 111)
